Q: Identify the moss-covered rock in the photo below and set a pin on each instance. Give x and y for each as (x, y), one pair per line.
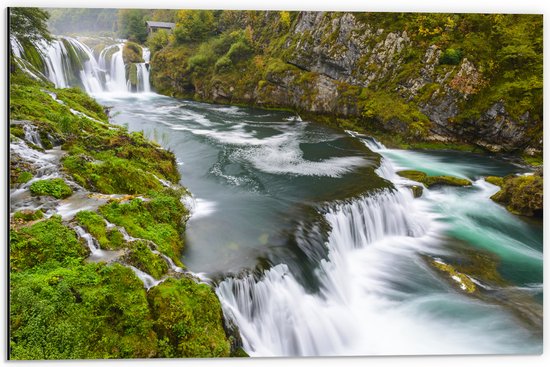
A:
(188, 320)
(521, 195)
(460, 280)
(47, 240)
(431, 181)
(495, 180)
(55, 187)
(160, 219)
(141, 256)
(79, 311)
(108, 238)
(417, 190)
(27, 215)
(132, 53)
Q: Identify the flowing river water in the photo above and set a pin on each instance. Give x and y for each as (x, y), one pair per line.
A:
(316, 247)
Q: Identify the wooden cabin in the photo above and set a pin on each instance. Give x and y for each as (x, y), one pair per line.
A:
(152, 27)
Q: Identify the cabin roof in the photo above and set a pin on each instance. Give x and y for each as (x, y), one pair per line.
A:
(160, 24)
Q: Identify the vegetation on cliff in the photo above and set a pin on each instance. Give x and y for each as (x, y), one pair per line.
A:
(473, 78)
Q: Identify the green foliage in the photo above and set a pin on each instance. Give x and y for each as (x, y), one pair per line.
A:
(194, 25)
(522, 195)
(79, 311)
(157, 41)
(45, 241)
(159, 219)
(387, 108)
(28, 25)
(224, 63)
(188, 319)
(27, 215)
(141, 256)
(131, 24)
(451, 56)
(109, 239)
(24, 177)
(55, 187)
(431, 181)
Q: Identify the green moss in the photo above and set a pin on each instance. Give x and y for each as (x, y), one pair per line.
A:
(109, 239)
(131, 53)
(132, 74)
(79, 311)
(159, 220)
(47, 240)
(459, 280)
(430, 181)
(417, 190)
(55, 187)
(533, 160)
(28, 215)
(188, 319)
(24, 177)
(497, 181)
(522, 195)
(141, 256)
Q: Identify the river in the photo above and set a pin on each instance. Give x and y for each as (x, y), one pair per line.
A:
(316, 247)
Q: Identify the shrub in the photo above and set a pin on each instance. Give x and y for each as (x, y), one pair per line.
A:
(55, 187)
(451, 56)
(224, 63)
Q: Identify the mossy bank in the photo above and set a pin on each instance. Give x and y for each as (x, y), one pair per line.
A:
(66, 303)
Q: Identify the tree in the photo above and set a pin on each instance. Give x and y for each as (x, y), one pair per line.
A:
(194, 25)
(29, 24)
(131, 24)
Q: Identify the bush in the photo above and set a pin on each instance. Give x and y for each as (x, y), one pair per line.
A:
(55, 187)
(157, 40)
(451, 56)
(224, 63)
(238, 51)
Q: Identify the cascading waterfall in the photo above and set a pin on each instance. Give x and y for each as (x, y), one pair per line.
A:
(376, 296)
(69, 63)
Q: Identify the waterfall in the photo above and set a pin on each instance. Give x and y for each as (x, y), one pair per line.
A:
(143, 78)
(376, 296)
(71, 63)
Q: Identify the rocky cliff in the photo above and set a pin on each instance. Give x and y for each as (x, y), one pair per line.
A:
(443, 77)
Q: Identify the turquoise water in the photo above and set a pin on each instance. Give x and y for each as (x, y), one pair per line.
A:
(313, 252)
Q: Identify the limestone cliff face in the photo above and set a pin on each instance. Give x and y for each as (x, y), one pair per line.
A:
(338, 65)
